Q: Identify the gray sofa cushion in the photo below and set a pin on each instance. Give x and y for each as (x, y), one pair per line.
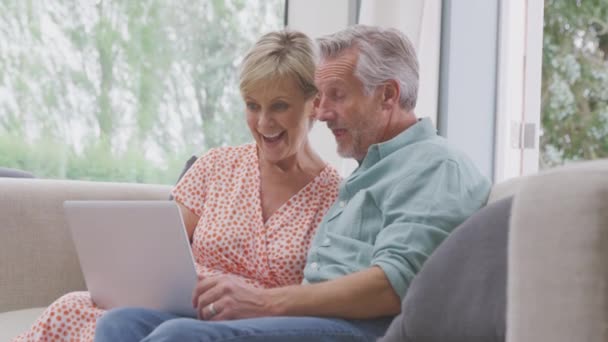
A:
(460, 293)
(14, 173)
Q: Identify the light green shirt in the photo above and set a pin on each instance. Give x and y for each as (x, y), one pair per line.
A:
(402, 201)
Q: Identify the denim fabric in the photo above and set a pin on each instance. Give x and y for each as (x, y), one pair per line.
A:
(135, 324)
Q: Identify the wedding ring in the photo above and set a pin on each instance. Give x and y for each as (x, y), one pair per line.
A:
(212, 310)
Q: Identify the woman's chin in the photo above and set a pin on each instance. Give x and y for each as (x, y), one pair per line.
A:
(275, 154)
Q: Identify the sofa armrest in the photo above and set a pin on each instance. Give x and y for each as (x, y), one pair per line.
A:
(38, 262)
(558, 256)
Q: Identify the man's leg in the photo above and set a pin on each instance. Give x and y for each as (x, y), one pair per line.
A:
(129, 324)
(268, 329)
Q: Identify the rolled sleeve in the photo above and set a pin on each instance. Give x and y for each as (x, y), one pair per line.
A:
(418, 215)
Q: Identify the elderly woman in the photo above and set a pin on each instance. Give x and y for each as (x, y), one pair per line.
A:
(250, 211)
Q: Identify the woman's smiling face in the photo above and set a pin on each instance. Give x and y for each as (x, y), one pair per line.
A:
(279, 118)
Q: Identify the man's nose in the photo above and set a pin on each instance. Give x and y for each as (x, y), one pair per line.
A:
(323, 112)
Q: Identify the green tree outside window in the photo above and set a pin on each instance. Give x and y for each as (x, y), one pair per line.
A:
(121, 90)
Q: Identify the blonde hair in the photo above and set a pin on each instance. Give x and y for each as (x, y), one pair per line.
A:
(279, 55)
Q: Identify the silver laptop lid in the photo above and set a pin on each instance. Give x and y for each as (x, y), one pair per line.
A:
(134, 253)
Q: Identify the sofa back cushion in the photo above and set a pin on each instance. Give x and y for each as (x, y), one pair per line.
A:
(14, 173)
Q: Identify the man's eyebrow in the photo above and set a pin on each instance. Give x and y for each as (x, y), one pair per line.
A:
(336, 82)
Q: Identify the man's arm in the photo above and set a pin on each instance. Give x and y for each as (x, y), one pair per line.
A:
(364, 294)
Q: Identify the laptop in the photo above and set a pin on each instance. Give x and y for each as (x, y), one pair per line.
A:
(134, 253)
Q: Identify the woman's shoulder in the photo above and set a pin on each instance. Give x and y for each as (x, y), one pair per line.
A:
(228, 153)
(330, 178)
(231, 151)
(231, 158)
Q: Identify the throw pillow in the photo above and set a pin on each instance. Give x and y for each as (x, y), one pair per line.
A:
(459, 295)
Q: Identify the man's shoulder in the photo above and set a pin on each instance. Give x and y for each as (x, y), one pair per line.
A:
(430, 151)
(428, 154)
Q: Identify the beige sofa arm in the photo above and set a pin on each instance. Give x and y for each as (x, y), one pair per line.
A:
(558, 256)
(38, 262)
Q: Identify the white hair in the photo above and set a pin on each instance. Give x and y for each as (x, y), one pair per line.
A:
(384, 54)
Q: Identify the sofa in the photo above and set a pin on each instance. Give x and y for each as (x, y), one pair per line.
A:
(38, 262)
(557, 288)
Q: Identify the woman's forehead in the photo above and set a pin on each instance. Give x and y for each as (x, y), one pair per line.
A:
(274, 87)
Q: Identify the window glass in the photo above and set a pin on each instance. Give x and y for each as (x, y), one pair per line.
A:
(574, 82)
(123, 90)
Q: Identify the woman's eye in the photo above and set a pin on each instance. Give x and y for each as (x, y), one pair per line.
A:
(252, 106)
(280, 106)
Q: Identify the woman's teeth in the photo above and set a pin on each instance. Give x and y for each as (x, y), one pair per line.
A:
(272, 136)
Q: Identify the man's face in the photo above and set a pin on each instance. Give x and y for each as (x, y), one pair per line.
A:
(354, 118)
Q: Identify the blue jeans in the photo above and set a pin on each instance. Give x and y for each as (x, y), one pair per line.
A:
(135, 324)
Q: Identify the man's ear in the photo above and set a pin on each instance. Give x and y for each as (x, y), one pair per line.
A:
(390, 94)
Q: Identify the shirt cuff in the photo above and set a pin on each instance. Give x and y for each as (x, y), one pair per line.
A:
(399, 278)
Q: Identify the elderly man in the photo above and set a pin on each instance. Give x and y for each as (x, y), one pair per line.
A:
(408, 193)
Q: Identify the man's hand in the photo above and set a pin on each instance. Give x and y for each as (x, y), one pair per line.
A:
(228, 297)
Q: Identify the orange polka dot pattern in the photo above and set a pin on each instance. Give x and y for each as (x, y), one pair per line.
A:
(70, 318)
(223, 188)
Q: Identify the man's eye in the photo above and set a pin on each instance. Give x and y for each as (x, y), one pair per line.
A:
(337, 95)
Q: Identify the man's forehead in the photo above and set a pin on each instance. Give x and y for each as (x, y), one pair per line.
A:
(335, 69)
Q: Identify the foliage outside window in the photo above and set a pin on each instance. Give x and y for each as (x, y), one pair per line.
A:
(574, 81)
(123, 90)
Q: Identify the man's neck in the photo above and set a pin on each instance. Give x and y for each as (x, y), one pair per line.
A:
(400, 121)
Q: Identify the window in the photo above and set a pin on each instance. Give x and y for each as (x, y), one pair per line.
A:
(123, 90)
(574, 82)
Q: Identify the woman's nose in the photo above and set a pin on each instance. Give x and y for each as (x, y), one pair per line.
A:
(265, 119)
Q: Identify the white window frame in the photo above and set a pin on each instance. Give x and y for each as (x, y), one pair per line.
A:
(518, 109)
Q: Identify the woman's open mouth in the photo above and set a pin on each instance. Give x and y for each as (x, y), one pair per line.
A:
(273, 138)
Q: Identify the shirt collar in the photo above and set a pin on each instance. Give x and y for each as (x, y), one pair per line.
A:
(421, 130)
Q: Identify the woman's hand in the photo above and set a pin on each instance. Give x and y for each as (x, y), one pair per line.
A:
(227, 297)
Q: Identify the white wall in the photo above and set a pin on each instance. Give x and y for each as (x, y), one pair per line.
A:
(420, 20)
